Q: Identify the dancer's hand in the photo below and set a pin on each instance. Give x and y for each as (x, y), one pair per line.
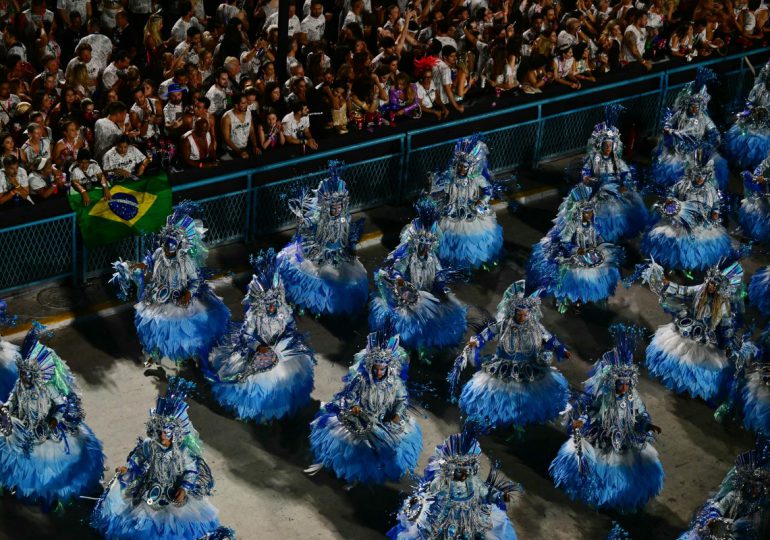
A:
(356, 410)
(396, 418)
(184, 301)
(52, 423)
(121, 471)
(577, 424)
(181, 495)
(656, 429)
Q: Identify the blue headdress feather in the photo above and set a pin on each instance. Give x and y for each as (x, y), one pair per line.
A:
(265, 265)
(427, 213)
(5, 318)
(171, 408)
(466, 442)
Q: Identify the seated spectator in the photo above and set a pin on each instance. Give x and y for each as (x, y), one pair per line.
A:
(14, 183)
(426, 88)
(8, 102)
(37, 146)
(46, 180)
(124, 160)
(563, 68)
(451, 81)
(584, 65)
(108, 130)
(534, 78)
(238, 130)
(706, 39)
(682, 42)
(402, 99)
(219, 94)
(8, 146)
(146, 115)
(270, 132)
(500, 70)
(199, 149)
(173, 112)
(296, 126)
(85, 174)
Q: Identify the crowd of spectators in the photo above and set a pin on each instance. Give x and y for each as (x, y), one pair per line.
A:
(95, 91)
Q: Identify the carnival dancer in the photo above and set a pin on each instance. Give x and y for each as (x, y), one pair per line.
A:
(692, 354)
(687, 126)
(319, 266)
(178, 316)
(517, 385)
(688, 234)
(747, 142)
(751, 387)
(412, 295)
(263, 370)
(471, 235)
(759, 290)
(9, 355)
(609, 461)
(452, 499)
(739, 510)
(47, 452)
(366, 433)
(754, 214)
(620, 210)
(573, 262)
(162, 491)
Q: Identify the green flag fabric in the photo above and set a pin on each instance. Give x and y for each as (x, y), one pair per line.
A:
(136, 207)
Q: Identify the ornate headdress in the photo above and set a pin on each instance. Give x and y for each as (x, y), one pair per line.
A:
(37, 363)
(470, 152)
(382, 349)
(184, 231)
(700, 164)
(425, 63)
(750, 476)
(607, 130)
(727, 280)
(617, 364)
(332, 190)
(572, 208)
(425, 231)
(696, 91)
(461, 450)
(515, 297)
(5, 318)
(266, 287)
(764, 73)
(170, 416)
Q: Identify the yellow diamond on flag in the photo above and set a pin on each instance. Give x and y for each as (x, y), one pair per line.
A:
(126, 206)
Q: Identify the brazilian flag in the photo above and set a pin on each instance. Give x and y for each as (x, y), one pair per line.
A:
(136, 207)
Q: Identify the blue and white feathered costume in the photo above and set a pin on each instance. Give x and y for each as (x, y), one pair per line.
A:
(453, 501)
(747, 142)
(319, 267)
(573, 262)
(620, 210)
(366, 433)
(9, 355)
(178, 316)
(688, 234)
(163, 490)
(740, 510)
(263, 370)
(689, 355)
(47, 452)
(687, 126)
(754, 213)
(412, 296)
(759, 290)
(471, 235)
(609, 461)
(752, 387)
(517, 385)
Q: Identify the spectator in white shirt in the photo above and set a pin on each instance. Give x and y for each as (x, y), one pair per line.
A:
(124, 160)
(101, 45)
(218, 93)
(238, 130)
(14, 184)
(65, 7)
(185, 22)
(354, 15)
(294, 24)
(188, 49)
(442, 76)
(85, 174)
(296, 125)
(173, 112)
(108, 130)
(12, 43)
(36, 146)
(314, 25)
(46, 180)
(634, 40)
(36, 15)
(116, 71)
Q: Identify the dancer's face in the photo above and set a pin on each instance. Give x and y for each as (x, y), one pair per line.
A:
(606, 148)
(379, 371)
(460, 475)
(621, 388)
(335, 210)
(520, 316)
(699, 180)
(165, 438)
(693, 109)
(711, 287)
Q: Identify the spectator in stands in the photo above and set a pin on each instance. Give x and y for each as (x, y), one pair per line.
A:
(635, 40)
(46, 180)
(173, 111)
(238, 132)
(36, 146)
(8, 146)
(199, 149)
(449, 79)
(114, 75)
(85, 174)
(108, 130)
(220, 93)
(296, 126)
(8, 102)
(14, 183)
(124, 160)
(86, 83)
(270, 132)
(66, 149)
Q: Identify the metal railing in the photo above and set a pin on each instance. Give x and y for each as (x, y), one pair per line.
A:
(518, 136)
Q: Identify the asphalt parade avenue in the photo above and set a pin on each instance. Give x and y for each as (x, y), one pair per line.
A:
(261, 490)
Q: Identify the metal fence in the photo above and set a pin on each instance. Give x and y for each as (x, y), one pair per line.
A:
(51, 249)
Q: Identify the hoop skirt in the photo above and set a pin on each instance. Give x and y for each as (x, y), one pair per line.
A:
(759, 290)
(167, 330)
(470, 243)
(676, 248)
(744, 147)
(117, 519)
(53, 470)
(687, 366)
(323, 290)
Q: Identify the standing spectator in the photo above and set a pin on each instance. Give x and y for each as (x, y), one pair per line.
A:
(66, 149)
(101, 45)
(115, 73)
(66, 9)
(634, 41)
(125, 35)
(179, 31)
(173, 112)
(146, 115)
(71, 36)
(179, 79)
(85, 174)
(296, 125)
(449, 80)
(199, 150)
(140, 12)
(84, 56)
(124, 160)
(201, 110)
(314, 25)
(219, 93)
(238, 130)
(294, 24)
(108, 130)
(12, 44)
(187, 50)
(8, 102)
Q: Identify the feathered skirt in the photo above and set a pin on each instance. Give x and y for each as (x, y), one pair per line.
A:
(619, 217)
(668, 168)
(180, 333)
(8, 372)
(745, 148)
(470, 243)
(755, 397)
(500, 527)
(754, 216)
(676, 248)
(759, 290)
(323, 290)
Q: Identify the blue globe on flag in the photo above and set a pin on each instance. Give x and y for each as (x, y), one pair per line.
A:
(124, 205)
